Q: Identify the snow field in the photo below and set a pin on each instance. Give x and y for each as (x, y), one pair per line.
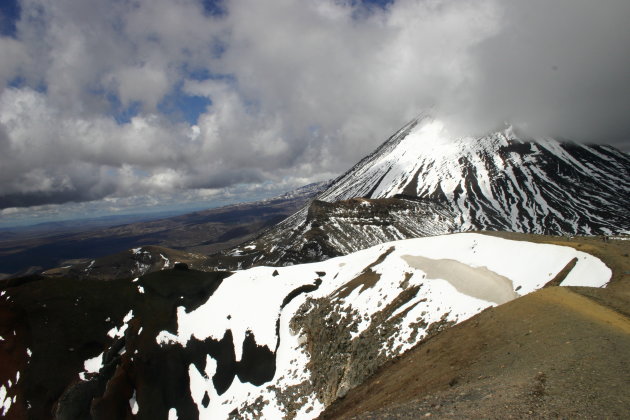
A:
(251, 300)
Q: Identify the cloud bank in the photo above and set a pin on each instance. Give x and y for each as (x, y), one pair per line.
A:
(107, 100)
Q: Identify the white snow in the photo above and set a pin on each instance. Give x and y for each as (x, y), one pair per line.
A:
(133, 403)
(588, 273)
(5, 401)
(119, 332)
(165, 337)
(253, 290)
(94, 364)
(166, 262)
(442, 267)
(128, 317)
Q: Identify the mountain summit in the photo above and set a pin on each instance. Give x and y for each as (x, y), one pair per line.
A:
(422, 181)
(501, 181)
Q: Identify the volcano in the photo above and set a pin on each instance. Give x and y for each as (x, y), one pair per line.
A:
(423, 181)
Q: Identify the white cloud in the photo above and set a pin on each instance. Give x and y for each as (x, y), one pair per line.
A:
(144, 84)
(299, 89)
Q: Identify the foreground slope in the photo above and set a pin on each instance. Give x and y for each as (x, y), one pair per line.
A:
(552, 354)
(555, 353)
(436, 183)
(312, 332)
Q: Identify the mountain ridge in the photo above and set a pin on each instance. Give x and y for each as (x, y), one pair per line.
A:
(310, 333)
(501, 181)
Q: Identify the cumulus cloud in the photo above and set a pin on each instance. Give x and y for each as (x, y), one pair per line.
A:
(296, 91)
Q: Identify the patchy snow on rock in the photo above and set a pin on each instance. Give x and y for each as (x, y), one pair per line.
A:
(167, 338)
(119, 332)
(409, 285)
(133, 403)
(166, 264)
(5, 401)
(94, 364)
(172, 414)
(256, 293)
(500, 180)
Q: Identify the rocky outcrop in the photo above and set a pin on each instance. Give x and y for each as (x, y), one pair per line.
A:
(341, 360)
(334, 229)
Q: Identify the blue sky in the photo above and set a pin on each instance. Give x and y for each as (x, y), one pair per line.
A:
(128, 106)
(9, 14)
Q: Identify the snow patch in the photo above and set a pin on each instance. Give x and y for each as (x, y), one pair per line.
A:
(119, 332)
(133, 403)
(5, 401)
(166, 262)
(94, 364)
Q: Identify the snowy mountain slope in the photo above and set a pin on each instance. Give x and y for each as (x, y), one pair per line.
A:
(435, 184)
(501, 181)
(319, 329)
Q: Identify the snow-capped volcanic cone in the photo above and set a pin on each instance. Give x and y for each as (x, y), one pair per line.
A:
(423, 181)
(501, 181)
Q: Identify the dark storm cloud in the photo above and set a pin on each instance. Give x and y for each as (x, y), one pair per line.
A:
(38, 198)
(559, 66)
(291, 91)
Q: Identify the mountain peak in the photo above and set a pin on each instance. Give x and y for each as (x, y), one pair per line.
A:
(425, 181)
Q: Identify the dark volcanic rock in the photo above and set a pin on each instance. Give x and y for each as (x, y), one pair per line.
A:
(334, 229)
(50, 327)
